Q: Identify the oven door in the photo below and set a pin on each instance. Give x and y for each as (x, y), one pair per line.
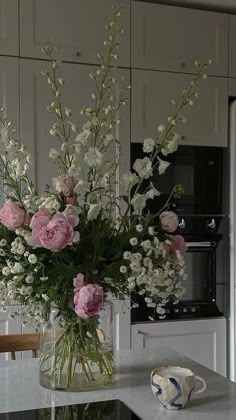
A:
(200, 261)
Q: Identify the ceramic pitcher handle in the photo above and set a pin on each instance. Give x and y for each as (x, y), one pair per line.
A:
(198, 378)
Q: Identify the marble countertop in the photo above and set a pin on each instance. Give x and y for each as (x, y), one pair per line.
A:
(20, 389)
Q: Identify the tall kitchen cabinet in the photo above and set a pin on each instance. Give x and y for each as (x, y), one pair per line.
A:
(9, 29)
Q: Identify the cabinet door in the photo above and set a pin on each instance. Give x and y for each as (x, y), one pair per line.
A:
(232, 47)
(36, 120)
(122, 324)
(202, 340)
(9, 36)
(151, 105)
(9, 326)
(77, 26)
(9, 94)
(172, 38)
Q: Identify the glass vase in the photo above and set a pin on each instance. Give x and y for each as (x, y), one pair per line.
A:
(77, 354)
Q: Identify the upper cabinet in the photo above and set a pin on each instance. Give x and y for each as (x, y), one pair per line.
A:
(77, 26)
(9, 34)
(232, 46)
(172, 38)
(206, 122)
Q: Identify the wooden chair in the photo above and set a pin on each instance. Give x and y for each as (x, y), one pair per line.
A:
(19, 342)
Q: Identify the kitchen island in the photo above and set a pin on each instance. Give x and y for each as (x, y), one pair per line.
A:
(20, 389)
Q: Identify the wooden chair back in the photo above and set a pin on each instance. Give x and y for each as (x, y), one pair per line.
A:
(19, 342)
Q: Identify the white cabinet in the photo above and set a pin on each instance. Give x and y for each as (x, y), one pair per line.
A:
(232, 47)
(9, 35)
(202, 340)
(77, 26)
(172, 38)
(152, 92)
(36, 121)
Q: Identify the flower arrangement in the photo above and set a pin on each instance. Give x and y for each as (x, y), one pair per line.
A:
(79, 241)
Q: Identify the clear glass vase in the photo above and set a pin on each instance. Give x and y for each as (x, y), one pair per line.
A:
(77, 354)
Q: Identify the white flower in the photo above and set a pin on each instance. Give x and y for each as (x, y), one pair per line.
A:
(4, 135)
(17, 268)
(83, 136)
(127, 255)
(93, 157)
(67, 111)
(53, 154)
(2, 253)
(123, 269)
(52, 131)
(152, 193)
(139, 202)
(108, 139)
(45, 297)
(64, 147)
(81, 187)
(133, 241)
(143, 167)
(94, 210)
(146, 244)
(169, 147)
(163, 165)
(148, 145)
(139, 228)
(6, 271)
(32, 259)
(160, 310)
(151, 230)
(161, 128)
(3, 242)
(29, 279)
(129, 180)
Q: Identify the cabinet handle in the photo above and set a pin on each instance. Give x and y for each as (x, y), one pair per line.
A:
(78, 54)
(141, 332)
(183, 137)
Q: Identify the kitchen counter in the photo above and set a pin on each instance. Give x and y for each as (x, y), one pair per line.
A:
(20, 389)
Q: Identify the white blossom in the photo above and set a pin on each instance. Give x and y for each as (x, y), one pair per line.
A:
(94, 210)
(93, 157)
(143, 167)
(139, 228)
(123, 269)
(29, 279)
(133, 241)
(108, 139)
(32, 259)
(53, 154)
(127, 255)
(83, 136)
(139, 202)
(163, 165)
(148, 145)
(151, 230)
(169, 147)
(6, 271)
(129, 179)
(3, 242)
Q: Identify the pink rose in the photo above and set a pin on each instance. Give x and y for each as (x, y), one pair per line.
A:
(78, 282)
(88, 300)
(53, 233)
(12, 215)
(177, 244)
(40, 213)
(169, 221)
(67, 185)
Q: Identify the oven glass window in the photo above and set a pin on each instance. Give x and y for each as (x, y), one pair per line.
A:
(199, 269)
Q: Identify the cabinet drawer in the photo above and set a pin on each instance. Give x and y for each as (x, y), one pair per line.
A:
(76, 25)
(172, 38)
(152, 92)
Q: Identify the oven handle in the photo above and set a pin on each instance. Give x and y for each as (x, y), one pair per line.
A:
(201, 244)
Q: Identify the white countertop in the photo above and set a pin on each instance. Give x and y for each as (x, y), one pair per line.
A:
(20, 389)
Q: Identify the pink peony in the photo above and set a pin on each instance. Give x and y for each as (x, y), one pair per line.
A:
(88, 300)
(78, 282)
(169, 221)
(177, 244)
(12, 215)
(53, 233)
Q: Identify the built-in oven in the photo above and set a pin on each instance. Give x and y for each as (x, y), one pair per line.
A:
(198, 169)
(201, 210)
